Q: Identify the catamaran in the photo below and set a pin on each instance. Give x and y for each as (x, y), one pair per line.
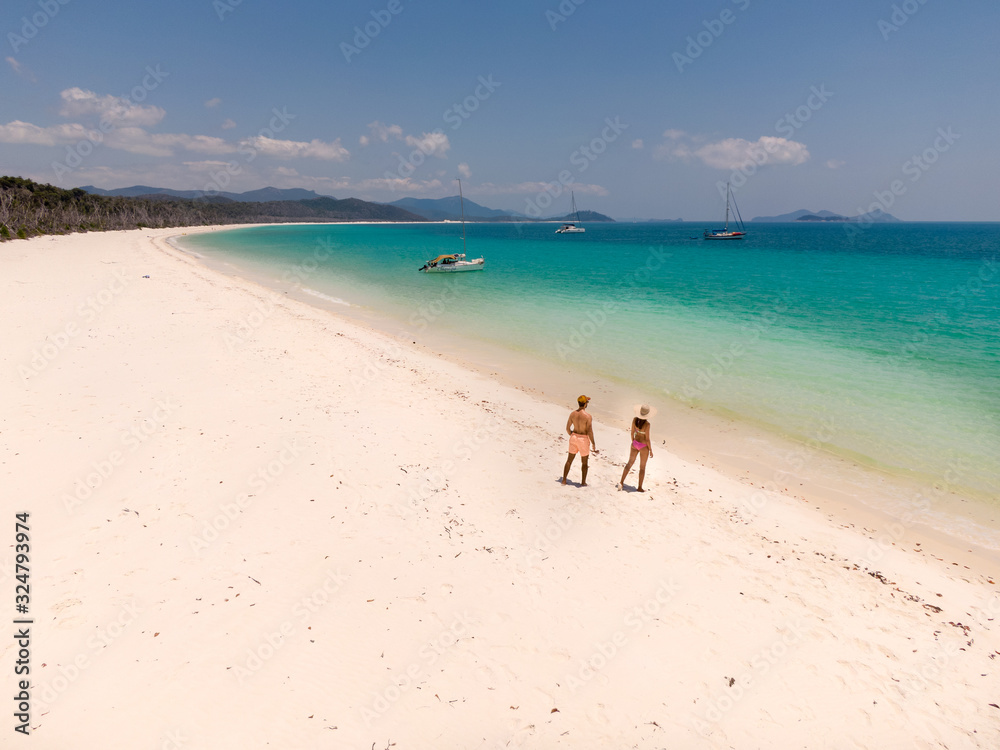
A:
(571, 226)
(454, 262)
(725, 234)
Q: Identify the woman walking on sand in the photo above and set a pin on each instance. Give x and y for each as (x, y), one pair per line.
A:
(642, 444)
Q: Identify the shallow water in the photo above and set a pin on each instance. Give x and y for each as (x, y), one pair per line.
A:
(882, 344)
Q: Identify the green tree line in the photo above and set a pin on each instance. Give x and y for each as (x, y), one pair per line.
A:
(28, 209)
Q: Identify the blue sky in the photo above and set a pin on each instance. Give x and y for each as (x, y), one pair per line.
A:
(643, 109)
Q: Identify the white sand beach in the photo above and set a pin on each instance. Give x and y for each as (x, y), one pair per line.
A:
(255, 523)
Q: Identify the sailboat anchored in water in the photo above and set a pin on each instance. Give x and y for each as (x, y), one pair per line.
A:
(725, 234)
(571, 226)
(453, 262)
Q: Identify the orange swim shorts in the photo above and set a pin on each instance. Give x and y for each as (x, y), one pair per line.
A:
(579, 444)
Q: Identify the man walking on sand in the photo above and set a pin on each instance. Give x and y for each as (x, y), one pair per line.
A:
(580, 427)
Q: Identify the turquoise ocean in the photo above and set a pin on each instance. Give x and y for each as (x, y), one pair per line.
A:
(880, 342)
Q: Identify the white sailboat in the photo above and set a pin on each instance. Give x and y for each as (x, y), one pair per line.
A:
(454, 262)
(571, 226)
(725, 234)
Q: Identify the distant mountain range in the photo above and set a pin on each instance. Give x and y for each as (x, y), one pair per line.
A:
(264, 195)
(878, 215)
(404, 209)
(447, 209)
(450, 209)
(268, 204)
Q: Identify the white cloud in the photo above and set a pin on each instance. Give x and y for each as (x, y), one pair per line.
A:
(734, 153)
(433, 144)
(382, 132)
(116, 110)
(835, 163)
(673, 134)
(19, 68)
(133, 140)
(399, 184)
(215, 102)
(26, 133)
(464, 170)
(314, 149)
(138, 141)
(228, 124)
(204, 144)
(637, 143)
(205, 166)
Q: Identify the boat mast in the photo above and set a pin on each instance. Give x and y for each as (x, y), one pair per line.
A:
(462, 201)
(576, 213)
(726, 229)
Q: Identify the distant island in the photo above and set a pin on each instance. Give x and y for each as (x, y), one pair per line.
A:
(450, 209)
(582, 216)
(802, 214)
